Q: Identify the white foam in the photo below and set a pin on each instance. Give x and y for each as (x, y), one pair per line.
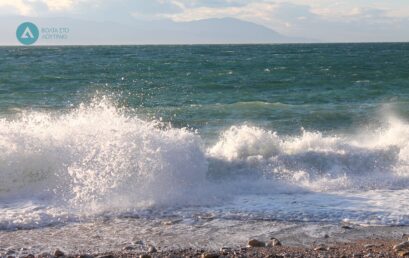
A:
(96, 155)
(100, 158)
(318, 162)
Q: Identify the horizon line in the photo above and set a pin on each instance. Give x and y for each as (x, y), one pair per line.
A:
(205, 44)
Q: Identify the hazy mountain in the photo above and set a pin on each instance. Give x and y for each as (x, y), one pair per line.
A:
(209, 31)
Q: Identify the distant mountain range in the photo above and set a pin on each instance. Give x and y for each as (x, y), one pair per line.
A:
(208, 31)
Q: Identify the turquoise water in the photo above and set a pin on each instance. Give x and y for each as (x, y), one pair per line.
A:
(282, 87)
(279, 132)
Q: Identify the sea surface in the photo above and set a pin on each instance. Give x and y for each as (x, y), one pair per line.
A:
(202, 138)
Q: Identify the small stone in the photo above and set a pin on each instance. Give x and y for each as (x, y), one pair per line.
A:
(225, 250)
(346, 227)
(145, 256)
(326, 236)
(401, 246)
(320, 248)
(274, 242)
(368, 246)
(128, 248)
(106, 256)
(403, 253)
(210, 255)
(256, 243)
(152, 249)
(58, 253)
(45, 255)
(10, 252)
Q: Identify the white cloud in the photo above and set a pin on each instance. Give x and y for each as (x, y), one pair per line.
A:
(59, 5)
(321, 19)
(15, 7)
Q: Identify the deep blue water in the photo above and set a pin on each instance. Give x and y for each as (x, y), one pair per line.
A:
(282, 87)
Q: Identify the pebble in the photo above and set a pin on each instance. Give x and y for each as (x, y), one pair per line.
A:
(145, 256)
(210, 255)
(346, 227)
(106, 256)
(255, 243)
(320, 248)
(152, 249)
(369, 246)
(45, 255)
(401, 246)
(274, 242)
(225, 250)
(403, 253)
(58, 253)
(10, 252)
(128, 248)
(138, 242)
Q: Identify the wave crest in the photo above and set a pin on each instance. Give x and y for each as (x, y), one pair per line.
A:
(96, 155)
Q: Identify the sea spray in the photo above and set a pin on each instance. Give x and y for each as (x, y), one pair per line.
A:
(97, 157)
(317, 162)
(101, 159)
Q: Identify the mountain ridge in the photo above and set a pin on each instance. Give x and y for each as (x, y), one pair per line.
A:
(206, 31)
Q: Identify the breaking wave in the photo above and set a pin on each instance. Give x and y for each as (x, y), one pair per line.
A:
(99, 157)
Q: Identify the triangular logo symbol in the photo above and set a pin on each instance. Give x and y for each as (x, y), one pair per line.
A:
(27, 34)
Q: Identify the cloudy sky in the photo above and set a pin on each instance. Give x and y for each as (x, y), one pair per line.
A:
(344, 20)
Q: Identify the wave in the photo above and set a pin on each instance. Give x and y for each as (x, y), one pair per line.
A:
(96, 155)
(370, 160)
(99, 157)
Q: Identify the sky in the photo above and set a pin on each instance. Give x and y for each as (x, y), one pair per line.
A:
(347, 20)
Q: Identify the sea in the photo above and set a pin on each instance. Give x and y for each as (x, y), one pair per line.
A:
(106, 146)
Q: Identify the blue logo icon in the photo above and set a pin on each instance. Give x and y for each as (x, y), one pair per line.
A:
(27, 33)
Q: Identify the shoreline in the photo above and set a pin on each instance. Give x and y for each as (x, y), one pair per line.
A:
(359, 248)
(298, 241)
